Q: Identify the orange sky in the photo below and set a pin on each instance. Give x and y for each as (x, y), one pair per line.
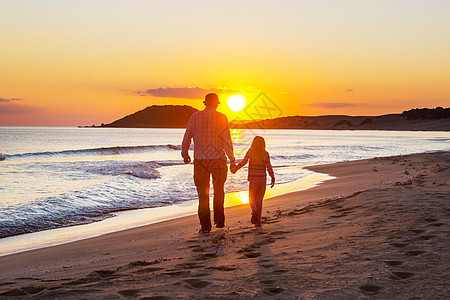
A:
(68, 63)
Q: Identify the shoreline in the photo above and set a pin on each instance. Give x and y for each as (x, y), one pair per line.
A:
(425, 130)
(377, 229)
(134, 218)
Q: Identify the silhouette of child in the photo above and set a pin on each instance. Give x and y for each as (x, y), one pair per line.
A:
(259, 162)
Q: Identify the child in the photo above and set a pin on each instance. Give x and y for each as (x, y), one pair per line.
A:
(259, 162)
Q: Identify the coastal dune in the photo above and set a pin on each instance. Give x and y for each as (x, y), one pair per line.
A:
(381, 228)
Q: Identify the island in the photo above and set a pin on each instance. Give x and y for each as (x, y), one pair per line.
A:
(177, 116)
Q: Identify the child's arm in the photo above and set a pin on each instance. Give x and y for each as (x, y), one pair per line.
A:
(270, 170)
(244, 161)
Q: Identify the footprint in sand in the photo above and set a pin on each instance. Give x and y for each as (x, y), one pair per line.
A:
(249, 251)
(28, 290)
(267, 266)
(148, 270)
(196, 283)
(139, 263)
(266, 241)
(190, 265)
(270, 221)
(370, 289)
(338, 216)
(393, 262)
(401, 275)
(250, 255)
(427, 237)
(196, 248)
(399, 245)
(82, 281)
(414, 253)
(129, 293)
(192, 241)
(26, 278)
(176, 273)
(430, 220)
(205, 256)
(222, 268)
(200, 275)
(102, 273)
(33, 289)
(248, 248)
(14, 293)
(51, 280)
(278, 272)
(278, 232)
(273, 290)
(268, 281)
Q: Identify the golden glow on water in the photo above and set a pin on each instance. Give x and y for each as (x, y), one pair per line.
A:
(237, 198)
(236, 135)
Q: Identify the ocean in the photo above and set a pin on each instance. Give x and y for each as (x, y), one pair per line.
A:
(58, 177)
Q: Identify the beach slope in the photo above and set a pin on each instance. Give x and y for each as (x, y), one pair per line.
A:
(380, 228)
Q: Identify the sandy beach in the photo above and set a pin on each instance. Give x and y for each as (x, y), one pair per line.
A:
(379, 230)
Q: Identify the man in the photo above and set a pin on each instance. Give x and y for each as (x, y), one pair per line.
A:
(212, 140)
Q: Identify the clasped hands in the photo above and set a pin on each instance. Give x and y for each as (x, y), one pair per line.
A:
(233, 168)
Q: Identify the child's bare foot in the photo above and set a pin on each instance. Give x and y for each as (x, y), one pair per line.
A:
(253, 220)
(258, 225)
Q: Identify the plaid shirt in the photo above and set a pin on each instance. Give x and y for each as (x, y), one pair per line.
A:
(256, 171)
(211, 135)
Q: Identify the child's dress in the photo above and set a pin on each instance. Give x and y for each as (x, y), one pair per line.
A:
(257, 177)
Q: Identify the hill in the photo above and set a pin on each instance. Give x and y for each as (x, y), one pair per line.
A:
(156, 116)
(437, 119)
(177, 116)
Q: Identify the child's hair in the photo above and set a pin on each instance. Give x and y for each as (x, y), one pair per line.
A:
(258, 150)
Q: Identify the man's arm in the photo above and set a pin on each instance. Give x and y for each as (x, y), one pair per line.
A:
(227, 143)
(187, 141)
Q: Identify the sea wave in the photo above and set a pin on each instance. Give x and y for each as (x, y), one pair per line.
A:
(91, 203)
(143, 171)
(36, 217)
(114, 168)
(296, 156)
(95, 151)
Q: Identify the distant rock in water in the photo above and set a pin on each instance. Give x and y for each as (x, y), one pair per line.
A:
(156, 116)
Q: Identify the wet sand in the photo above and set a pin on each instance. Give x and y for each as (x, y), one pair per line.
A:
(381, 230)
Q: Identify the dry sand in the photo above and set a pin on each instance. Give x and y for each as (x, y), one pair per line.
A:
(380, 230)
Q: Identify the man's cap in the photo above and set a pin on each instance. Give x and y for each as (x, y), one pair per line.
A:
(211, 98)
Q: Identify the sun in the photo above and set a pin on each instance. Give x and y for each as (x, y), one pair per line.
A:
(236, 102)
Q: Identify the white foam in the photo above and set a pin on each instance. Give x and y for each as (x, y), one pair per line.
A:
(135, 218)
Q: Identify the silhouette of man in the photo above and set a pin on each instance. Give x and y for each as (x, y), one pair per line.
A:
(212, 140)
